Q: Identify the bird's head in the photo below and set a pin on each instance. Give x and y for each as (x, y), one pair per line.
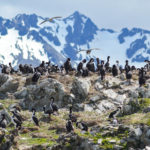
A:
(33, 110)
(52, 99)
(119, 108)
(77, 124)
(44, 107)
(3, 115)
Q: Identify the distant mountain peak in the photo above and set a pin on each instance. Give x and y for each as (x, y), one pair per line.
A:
(23, 40)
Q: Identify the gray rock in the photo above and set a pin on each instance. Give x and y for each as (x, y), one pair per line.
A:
(88, 107)
(110, 93)
(105, 105)
(138, 132)
(39, 95)
(1, 106)
(80, 88)
(10, 85)
(148, 134)
(4, 78)
(7, 116)
(127, 109)
(146, 110)
(122, 77)
(98, 86)
(133, 94)
(120, 98)
(147, 148)
(96, 98)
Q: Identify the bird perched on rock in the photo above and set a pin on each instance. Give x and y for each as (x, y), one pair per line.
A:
(53, 106)
(48, 111)
(115, 113)
(69, 126)
(71, 116)
(16, 122)
(81, 125)
(50, 19)
(17, 115)
(3, 122)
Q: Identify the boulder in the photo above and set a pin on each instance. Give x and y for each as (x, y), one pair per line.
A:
(146, 110)
(105, 105)
(122, 77)
(110, 93)
(4, 78)
(120, 98)
(138, 132)
(39, 95)
(81, 88)
(88, 107)
(8, 117)
(98, 86)
(8, 85)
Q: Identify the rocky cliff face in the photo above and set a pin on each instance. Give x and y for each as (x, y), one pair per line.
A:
(92, 101)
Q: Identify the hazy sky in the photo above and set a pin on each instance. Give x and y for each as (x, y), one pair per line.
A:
(114, 14)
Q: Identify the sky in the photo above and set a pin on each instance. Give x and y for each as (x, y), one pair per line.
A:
(113, 14)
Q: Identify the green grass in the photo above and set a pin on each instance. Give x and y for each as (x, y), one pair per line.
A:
(145, 102)
(7, 102)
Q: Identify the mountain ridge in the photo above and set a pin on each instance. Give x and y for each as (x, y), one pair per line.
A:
(31, 43)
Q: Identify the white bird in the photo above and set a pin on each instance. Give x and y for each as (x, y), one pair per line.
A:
(50, 19)
(88, 51)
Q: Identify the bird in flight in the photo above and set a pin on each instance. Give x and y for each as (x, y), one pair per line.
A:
(88, 51)
(50, 19)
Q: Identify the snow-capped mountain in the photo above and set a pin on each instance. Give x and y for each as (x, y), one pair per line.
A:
(24, 40)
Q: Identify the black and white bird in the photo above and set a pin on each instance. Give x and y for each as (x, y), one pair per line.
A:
(17, 115)
(34, 118)
(17, 108)
(48, 111)
(81, 125)
(69, 126)
(3, 122)
(71, 116)
(17, 123)
(115, 113)
(53, 106)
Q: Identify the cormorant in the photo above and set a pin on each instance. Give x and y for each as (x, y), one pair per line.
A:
(67, 66)
(47, 112)
(82, 126)
(142, 78)
(3, 122)
(71, 116)
(90, 65)
(16, 122)
(69, 126)
(34, 118)
(53, 105)
(17, 115)
(114, 113)
(114, 71)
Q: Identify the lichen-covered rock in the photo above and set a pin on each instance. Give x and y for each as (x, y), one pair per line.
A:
(39, 95)
(8, 84)
(81, 88)
(4, 78)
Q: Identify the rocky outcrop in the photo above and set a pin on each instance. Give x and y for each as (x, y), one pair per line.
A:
(39, 95)
(6, 141)
(81, 88)
(8, 84)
